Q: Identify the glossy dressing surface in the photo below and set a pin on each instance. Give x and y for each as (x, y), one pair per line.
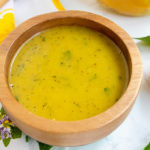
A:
(68, 73)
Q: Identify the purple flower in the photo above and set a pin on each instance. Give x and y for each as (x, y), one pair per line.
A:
(5, 133)
(5, 124)
(4, 119)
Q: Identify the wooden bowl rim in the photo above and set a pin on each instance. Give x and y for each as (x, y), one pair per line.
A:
(69, 127)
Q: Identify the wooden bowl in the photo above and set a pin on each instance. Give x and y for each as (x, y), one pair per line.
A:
(69, 133)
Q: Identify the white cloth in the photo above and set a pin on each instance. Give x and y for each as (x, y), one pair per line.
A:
(135, 26)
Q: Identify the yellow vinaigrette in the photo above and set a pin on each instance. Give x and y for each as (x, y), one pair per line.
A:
(68, 73)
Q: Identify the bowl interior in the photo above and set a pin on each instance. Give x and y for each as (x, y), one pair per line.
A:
(67, 21)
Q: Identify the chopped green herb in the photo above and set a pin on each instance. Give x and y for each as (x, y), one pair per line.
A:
(120, 77)
(76, 104)
(67, 55)
(93, 77)
(117, 99)
(54, 76)
(6, 142)
(21, 66)
(43, 39)
(106, 89)
(44, 105)
(145, 39)
(61, 63)
(16, 97)
(36, 80)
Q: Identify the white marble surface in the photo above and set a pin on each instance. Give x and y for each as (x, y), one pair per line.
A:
(134, 132)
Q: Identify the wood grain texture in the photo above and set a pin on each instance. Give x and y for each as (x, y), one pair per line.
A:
(73, 133)
(2, 2)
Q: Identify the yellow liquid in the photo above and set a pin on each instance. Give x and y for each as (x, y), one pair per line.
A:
(68, 73)
(129, 7)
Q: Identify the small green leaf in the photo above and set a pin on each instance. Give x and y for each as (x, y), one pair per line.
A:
(27, 139)
(147, 147)
(6, 142)
(43, 146)
(145, 39)
(16, 133)
(2, 111)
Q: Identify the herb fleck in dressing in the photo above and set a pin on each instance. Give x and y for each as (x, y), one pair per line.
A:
(68, 73)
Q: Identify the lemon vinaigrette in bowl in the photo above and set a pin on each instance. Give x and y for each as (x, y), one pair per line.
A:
(128, 7)
(68, 73)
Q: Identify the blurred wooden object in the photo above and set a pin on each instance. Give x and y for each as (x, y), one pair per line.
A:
(2, 2)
